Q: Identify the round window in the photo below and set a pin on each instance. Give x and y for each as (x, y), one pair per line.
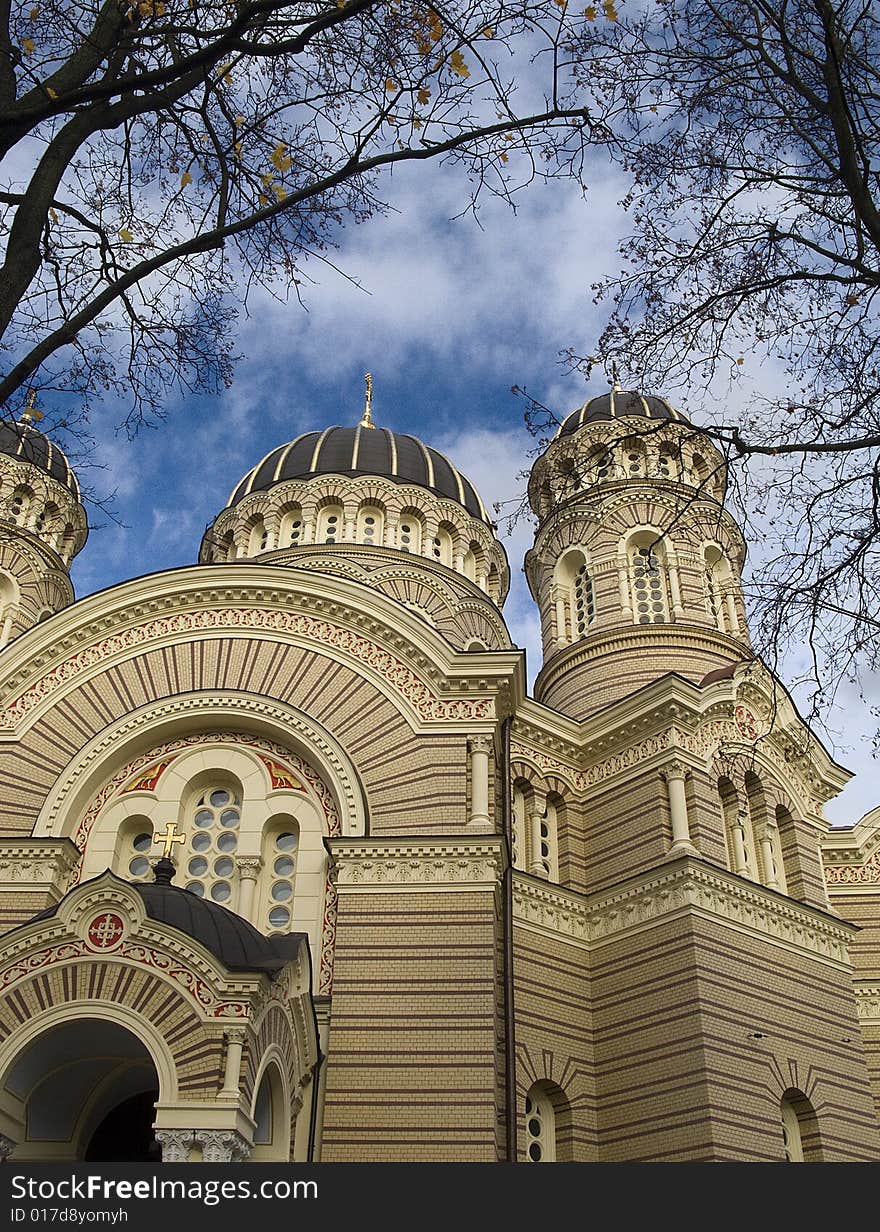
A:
(195, 887)
(229, 817)
(279, 917)
(227, 842)
(281, 891)
(143, 842)
(219, 798)
(201, 842)
(197, 866)
(204, 818)
(221, 891)
(139, 866)
(223, 867)
(283, 866)
(286, 842)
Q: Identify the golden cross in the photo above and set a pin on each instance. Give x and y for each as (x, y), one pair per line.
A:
(367, 421)
(169, 838)
(30, 407)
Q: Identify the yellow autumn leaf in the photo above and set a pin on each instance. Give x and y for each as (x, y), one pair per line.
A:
(53, 94)
(53, 215)
(609, 10)
(423, 45)
(267, 177)
(279, 157)
(508, 136)
(280, 192)
(590, 12)
(423, 95)
(125, 235)
(239, 119)
(28, 46)
(224, 74)
(263, 199)
(457, 64)
(417, 123)
(562, 4)
(34, 13)
(488, 32)
(740, 360)
(390, 85)
(852, 300)
(435, 27)
(503, 156)
(185, 179)
(237, 148)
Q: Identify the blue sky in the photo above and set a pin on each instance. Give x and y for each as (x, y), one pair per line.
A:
(451, 315)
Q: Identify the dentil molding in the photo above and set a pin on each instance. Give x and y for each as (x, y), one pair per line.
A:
(419, 864)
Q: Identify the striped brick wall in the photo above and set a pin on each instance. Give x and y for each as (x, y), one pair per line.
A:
(413, 1051)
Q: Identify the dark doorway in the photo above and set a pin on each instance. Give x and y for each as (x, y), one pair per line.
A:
(125, 1135)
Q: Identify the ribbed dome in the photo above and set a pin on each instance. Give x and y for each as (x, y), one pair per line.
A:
(23, 441)
(617, 404)
(362, 451)
(226, 935)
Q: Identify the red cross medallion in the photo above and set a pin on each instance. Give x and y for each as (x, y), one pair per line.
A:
(105, 931)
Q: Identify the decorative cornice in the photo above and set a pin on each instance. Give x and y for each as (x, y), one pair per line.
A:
(35, 862)
(840, 875)
(868, 1003)
(682, 887)
(417, 864)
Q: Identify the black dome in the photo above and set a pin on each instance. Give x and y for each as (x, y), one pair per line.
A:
(362, 451)
(232, 939)
(23, 441)
(617, 404)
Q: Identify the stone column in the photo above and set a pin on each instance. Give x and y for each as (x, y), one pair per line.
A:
(536, 816)
(479, 747)
(768, 859)
(740, 858)
(235, 1037)
(675, 774)
(248, 874)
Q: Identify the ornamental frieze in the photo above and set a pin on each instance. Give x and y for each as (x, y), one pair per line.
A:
(867, 873)
(419, 864)
(322, 633)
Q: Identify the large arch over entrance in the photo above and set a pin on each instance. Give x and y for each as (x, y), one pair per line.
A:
(83, 1089)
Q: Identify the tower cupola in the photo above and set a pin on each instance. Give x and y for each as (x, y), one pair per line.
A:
(636, 564)
(42, 526)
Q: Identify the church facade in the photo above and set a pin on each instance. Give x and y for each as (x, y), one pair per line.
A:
(293, 867)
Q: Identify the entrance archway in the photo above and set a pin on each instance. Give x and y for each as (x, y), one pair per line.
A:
(84, 1090)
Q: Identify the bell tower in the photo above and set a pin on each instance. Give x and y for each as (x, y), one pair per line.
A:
(636, 564)
(42, 526)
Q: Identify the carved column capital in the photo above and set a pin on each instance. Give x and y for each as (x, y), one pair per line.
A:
(222, 1146)
(675, 769)
(249, 867)
(480, 744)
(176, 1145)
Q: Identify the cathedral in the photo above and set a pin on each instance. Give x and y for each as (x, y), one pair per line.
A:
(293, 866)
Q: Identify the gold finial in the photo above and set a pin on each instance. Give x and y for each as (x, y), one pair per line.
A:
(31, 410)
(169, 838)
(367, 421)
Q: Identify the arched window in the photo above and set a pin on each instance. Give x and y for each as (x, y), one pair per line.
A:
(600, 463)
(271, 1114)
(441, 546)
(280, 849)
(211, 825)
(135, 851)
(258, 540)
(584, 611)
(647, 561)
(46, 519)
(667, 467)
(713, 585)
(540, 1127)
(409, 532)
(741, 854)
(699, 470)
(371, 525)
(330, 524)
(291, 529)
(634, 454)
(800, 1129)
(519, 823)
(20, 504)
